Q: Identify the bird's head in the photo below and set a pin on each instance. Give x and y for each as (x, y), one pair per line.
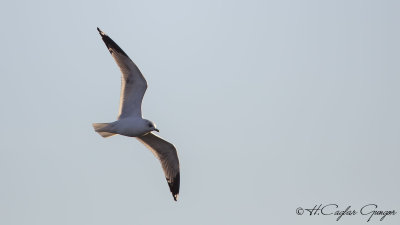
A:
(151, 126)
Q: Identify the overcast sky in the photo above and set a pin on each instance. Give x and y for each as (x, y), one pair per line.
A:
(272, 105)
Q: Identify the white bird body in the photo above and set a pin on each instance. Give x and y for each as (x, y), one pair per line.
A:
(130, 122)
(129, 126)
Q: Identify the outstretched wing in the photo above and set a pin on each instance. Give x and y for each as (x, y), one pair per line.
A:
(133, 85)
(168, 157)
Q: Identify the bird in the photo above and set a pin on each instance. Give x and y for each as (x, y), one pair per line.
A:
(130, 122)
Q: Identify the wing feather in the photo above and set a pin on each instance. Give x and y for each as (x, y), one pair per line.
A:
(168, 157)
(133, 83)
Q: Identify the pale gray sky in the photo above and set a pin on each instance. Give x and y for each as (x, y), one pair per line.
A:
(272, 105)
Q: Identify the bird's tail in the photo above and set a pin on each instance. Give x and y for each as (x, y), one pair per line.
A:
(101, 128)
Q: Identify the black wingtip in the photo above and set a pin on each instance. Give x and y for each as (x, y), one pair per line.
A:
(174, 186)
(100, 31)
(111, 45)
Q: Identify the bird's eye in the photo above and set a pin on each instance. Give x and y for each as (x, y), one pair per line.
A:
(150, 125)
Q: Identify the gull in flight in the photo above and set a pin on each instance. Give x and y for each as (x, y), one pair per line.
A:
(130, 121)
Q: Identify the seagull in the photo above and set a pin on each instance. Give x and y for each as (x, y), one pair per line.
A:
(130, 122)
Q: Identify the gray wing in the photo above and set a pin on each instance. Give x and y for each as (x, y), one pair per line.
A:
(168, 157)
(133, 84)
